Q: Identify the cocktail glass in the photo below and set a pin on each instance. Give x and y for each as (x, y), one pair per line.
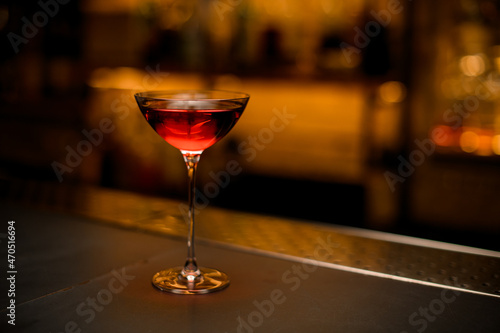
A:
(191, 121)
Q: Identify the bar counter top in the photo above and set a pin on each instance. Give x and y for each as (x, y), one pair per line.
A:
(84, 258)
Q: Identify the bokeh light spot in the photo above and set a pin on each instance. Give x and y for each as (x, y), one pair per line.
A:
(472, 65)
(469, 141)
(392, 92)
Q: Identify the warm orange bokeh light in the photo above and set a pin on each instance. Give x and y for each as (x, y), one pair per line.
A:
(484, 145)
(392, 92)
(472, 65)
(469, 141)
(495, 144)
(443, 136)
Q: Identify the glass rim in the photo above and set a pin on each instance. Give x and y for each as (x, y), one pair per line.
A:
(161, 95)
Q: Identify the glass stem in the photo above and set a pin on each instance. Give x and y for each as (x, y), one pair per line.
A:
(191, 271)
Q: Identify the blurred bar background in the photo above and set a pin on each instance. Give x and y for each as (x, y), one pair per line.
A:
(380, 114)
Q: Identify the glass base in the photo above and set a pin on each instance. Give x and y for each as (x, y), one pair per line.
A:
(172, 281)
